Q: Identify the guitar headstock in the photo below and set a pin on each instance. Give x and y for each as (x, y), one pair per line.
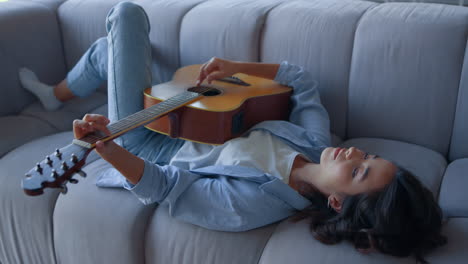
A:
(56, 170)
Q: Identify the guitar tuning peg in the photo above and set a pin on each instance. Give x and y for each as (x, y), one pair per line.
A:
(74, 158)
(58, 154)
(54, 174)
(64, 166)
(73, 181)
(81, 173)
(49, 161)
(38, 168)
(64, 189)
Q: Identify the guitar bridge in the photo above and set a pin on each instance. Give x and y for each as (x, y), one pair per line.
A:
(234, 80)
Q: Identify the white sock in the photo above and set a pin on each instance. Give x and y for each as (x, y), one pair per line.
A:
(44, 92)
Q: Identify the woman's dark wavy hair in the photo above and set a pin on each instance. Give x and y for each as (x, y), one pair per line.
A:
(402, 219)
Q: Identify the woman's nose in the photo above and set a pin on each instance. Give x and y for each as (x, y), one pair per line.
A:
(351, 152)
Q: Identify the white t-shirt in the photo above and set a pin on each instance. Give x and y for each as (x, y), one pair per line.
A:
(260, 150)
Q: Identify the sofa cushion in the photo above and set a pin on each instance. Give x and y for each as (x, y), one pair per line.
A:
(405, 74)
(227, 29)
(319, 36)
(62, 118)
(172, 241)
(427, 165)
(165, 20)
(294, 243)
(454, 252)
(78, 34)
(17, 130)
(453, 192)
(99, 225)
(53, 4)
(459, 141)
(26, 222)
(33, 42)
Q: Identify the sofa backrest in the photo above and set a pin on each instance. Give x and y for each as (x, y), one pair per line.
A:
(388, 70)
(459, 143)
(319, 36)
(405, 73)
(29, 37)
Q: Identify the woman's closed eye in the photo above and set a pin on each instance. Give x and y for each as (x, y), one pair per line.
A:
(356, 170)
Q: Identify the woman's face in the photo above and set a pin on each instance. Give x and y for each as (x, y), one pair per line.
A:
(353, 171)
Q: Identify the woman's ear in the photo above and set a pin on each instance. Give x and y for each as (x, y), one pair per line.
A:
(335, 202)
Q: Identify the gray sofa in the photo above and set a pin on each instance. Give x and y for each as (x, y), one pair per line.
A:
(393, 78)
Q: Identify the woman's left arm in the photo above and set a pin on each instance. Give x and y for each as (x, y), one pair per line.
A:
(307, 110)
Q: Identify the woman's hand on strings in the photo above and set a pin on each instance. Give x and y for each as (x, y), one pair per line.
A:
(217, 68)
(93, 123)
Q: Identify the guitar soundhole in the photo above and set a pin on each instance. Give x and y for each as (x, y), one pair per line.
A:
(206, 91)
(212, 92)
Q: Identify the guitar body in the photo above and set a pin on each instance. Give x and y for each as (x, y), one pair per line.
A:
(214, 119)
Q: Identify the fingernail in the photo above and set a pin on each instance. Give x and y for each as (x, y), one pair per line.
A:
(99, 145)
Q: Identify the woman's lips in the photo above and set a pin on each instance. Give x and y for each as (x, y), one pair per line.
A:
(337, 152)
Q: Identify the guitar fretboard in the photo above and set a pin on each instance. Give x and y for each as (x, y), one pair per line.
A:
(143, 117)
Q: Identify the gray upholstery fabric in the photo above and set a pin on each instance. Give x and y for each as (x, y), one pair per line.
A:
(455, 251)
(26, 222)
(335, 140)
(231, 30)
(459, 143)
(405, 74)
(102, 110)
(53, 4)
(77, 33)
(318, 35)
(293, 243)
(165, 21)
(453, 192)
(75, 109)
(33, 41)
(94, 225)
(427, 165)
(171, 241)
(17, 130)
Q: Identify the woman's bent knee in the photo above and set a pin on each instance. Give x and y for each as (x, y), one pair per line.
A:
(128, 12)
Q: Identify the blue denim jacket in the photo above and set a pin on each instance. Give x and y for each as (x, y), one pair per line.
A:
(235, 198)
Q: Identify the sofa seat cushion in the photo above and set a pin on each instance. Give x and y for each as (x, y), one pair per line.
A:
(453, 194)
(74, 109)
(294, 243)
(172, 241)
(427, 165)
(17, 130)
(26, 222)
(454, 252)
(99, 225)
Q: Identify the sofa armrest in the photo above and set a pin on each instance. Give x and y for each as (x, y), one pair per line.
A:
(453, 195)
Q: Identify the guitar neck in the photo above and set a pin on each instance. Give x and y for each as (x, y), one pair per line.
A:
(141, 118)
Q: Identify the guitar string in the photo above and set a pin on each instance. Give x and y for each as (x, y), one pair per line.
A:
(148, 113)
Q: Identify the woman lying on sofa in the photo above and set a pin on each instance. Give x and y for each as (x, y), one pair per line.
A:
(273, 172)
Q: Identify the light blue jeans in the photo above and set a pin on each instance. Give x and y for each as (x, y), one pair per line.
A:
(124, 60)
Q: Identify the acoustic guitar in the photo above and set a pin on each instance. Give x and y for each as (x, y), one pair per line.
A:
(210, 113)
